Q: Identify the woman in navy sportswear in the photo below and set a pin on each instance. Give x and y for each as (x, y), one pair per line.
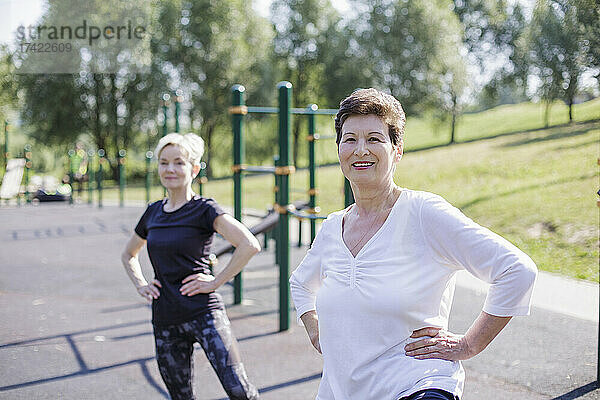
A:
(178, 232)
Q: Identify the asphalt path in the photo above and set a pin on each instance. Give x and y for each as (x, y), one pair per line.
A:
(73, 327)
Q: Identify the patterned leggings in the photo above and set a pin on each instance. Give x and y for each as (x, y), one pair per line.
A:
(174, 347)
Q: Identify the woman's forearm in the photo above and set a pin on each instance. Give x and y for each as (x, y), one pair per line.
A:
(240, 257)
(439, 343)
(311, 324)
(483, 330)
(134, 270)
(310, 320)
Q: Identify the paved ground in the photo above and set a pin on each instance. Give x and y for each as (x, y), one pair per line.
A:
(73, 327)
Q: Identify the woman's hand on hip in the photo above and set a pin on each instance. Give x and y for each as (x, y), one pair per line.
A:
(198, 283)
(438, 343)
(150, 291)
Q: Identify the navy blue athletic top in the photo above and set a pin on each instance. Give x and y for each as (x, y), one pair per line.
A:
(179, 244)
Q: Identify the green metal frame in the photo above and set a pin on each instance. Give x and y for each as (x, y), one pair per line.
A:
(27, 153)
(348, 195)
(6, 153)
(99, 175)
(91, 176)
(312, 202)
(238, 159)
(285, 99)
(282, 179)
(71, 154)
(177, 111)
(121, 161)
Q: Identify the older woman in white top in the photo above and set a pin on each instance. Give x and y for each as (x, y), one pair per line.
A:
(374, 292)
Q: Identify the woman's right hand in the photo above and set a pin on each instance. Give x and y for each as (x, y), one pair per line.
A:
(150, 291)
(311, 324)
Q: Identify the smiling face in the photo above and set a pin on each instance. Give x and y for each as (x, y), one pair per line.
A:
(174, 169)
(367, 155)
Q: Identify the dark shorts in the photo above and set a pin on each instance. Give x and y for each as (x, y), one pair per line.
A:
(431, 394)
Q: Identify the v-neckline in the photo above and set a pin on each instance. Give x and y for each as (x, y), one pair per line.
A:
(341, 226)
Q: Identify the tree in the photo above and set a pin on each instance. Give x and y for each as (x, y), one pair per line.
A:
(588, 17)
(212, 45)
(108, 98)
(303, 34)
(8, 87)
(494, 30)
(414, 51)
(556, 48)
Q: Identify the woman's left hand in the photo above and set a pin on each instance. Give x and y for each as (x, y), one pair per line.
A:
(198, 283)
(438, 343)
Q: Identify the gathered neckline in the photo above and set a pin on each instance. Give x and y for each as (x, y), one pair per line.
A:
(377, 233)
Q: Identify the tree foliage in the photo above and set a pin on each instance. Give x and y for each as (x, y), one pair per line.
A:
(413, 49)
(8, 86)
(588, 18)
(108, 107)
(494, 30)
(209, 46)
(557, 50)
(304, 32)
(417, 51)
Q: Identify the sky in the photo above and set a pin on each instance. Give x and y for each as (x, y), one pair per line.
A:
(25, 12)
(18, 12)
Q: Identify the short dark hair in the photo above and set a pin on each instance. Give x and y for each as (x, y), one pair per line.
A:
(372, 101)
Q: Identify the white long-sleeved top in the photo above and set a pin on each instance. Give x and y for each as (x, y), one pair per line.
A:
(401, 280)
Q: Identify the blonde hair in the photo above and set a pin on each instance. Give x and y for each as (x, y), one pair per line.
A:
(190, 143)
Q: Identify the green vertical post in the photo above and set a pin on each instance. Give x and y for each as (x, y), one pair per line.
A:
(99, 175)
(91, 176)
(19, 189)
(71, 154)
(285, 101)
(276, 229)
(6, 153)
(27, 150)
(348, 195)
(177, 110)
(299, 232)
(148, 175)
(238, 110)
(202, 179)
(312, 191)
(121, 160)
(165, 106)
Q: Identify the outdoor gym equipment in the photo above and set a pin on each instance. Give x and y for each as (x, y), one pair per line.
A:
(281, 170)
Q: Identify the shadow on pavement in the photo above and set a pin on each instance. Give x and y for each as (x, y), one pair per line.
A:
(284, 384)
(250, 337)
(580, 391)
(84, 370)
